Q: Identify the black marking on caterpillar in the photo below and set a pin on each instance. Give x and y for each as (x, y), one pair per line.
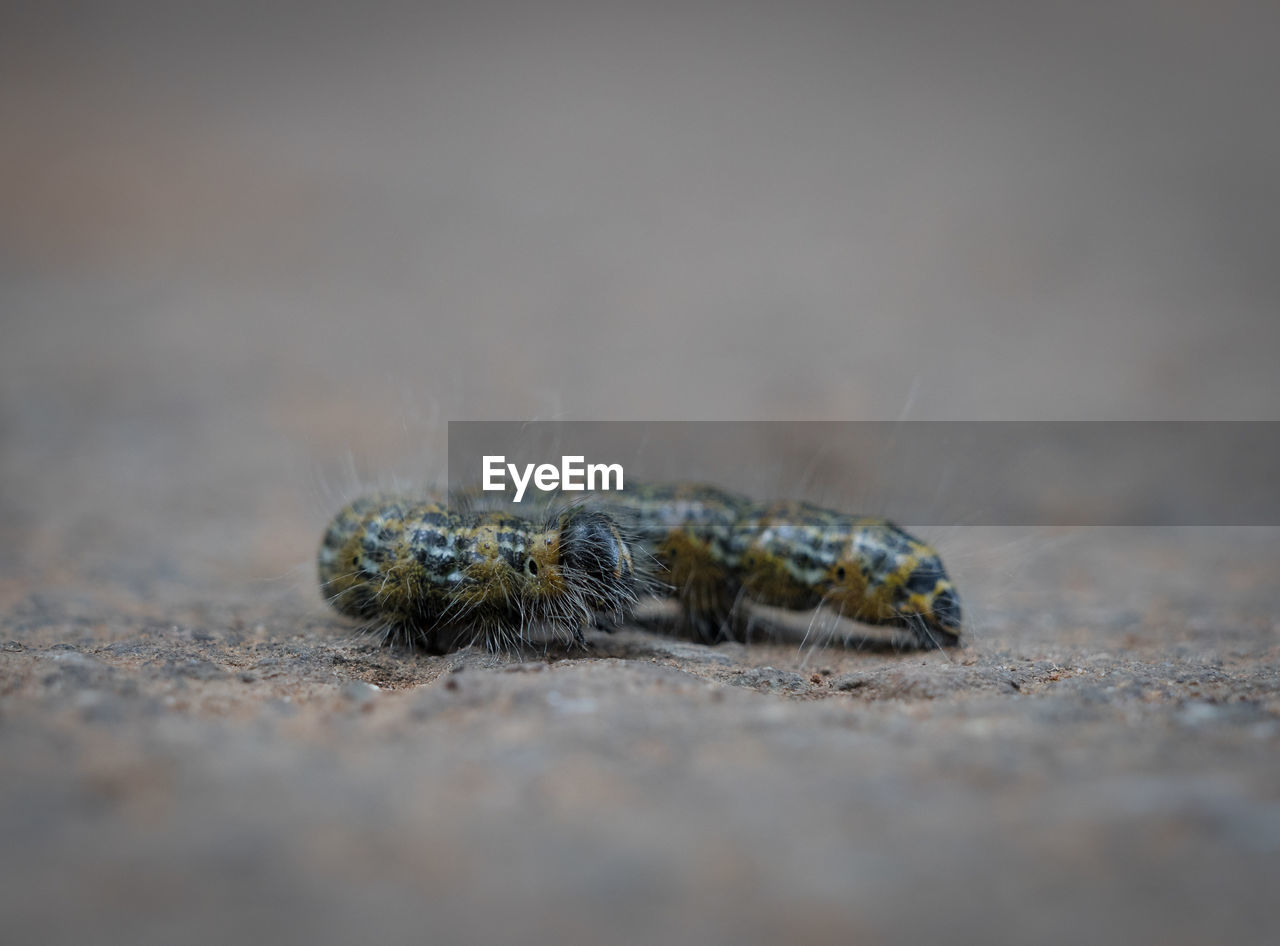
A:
(420, 572)
(723, 552)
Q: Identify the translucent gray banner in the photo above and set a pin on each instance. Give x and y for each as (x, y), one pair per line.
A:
(1070, 473)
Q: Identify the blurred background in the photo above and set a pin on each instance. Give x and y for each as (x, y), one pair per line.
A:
(240, 242)
(255, 255)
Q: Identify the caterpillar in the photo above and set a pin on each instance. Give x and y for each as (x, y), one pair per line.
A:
(722, 552)
(423, 573)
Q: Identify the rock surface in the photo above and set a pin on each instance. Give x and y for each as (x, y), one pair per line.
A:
(245, 773)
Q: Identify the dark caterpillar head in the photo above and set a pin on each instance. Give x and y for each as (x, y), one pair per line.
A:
(595, 559)
(931, 606)
(888, 576)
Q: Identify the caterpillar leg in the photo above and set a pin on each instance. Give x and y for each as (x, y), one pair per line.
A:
(666, 615)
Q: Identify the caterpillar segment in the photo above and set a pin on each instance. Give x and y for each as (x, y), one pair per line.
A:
(687, 531)
(423, 573)
(800, 556)
(722, 553)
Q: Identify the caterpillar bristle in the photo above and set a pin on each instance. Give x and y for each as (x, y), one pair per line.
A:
(421, 573)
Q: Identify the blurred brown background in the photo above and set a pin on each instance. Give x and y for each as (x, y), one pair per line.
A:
(253, 256)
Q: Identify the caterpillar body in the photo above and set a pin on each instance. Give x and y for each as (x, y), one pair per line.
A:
(423, 573)
(721, 552)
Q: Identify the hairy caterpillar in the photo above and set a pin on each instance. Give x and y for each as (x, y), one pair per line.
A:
(722, 551)
(421, 572)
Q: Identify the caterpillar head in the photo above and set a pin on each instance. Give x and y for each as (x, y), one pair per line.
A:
(595, 560)
(929, 604)
(887, 576)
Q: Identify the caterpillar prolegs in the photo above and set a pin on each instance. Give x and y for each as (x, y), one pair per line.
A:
(421, 572)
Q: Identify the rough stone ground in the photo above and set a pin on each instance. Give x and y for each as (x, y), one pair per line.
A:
(215, 772)
(237, 247)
